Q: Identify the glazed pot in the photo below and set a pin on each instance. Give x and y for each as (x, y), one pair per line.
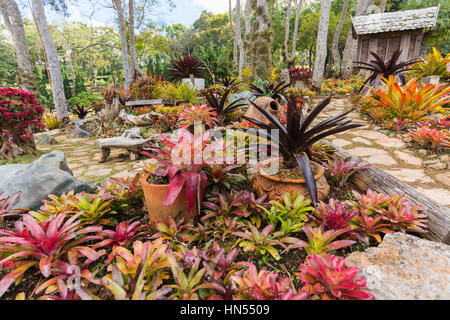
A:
(276, 187)
(154, 195)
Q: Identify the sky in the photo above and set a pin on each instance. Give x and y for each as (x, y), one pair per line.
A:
(185, 11)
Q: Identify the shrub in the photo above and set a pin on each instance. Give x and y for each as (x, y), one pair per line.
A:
(339, 171)
(300, 74)
(121, 93)
(81, 104)
(20, 112)
(430, 138)
(327, 277)
(412, 101)
(203, 114)
(143, 88)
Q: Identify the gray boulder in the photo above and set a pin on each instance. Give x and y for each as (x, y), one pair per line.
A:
(47, 175)
(45, 138)
(404, 267)
(244, 96)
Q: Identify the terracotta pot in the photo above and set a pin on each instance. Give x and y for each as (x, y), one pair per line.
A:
(276, 187)
(154, 195)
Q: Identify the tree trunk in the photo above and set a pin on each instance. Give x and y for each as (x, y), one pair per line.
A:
(235, 38)
(261, 41)
(247, 30)
(14, 23)
(291, 61)
(287, 31)
(350, 45)
(239, 36)
(289, 57)
(131, 27)
(337, 34)
(124, 43)
(321, 46)
(54, 66)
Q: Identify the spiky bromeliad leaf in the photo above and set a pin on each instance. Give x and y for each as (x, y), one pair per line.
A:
(274, 90)
(295, 139)
(220, 104)
(184, 67)
(379, 67)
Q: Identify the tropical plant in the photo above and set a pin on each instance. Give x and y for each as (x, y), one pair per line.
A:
(186, 67)
(202, 114)
(296, 139)
(92, 208)
(81, 104)
(273, 90)
(412, 101)
(290, 215)
(380, 68)
(51, 120)
(187, 286)
(261, 241)
(172, 231)
(432, 65)
(187, 93)
(41, 245)
(124, 234)
(334, 215)
(221, 106)
(230, 82)
(180, 167)
(121, 191)
(321, 152)
(6, 202)
(370, 226)
(122, 94)
(144, 88)
(221, 180)
(327, 277)
(223, 205)
(430, 138)
(300, 74)
(264, 285)
(339, 171)
(319, 240)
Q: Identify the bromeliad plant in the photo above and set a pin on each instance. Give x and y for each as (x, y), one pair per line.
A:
(334, 215)
(5, 203)
(379, 68)
(264, 285)
(261, 241)
(327, 277)
(181, 168)
(273, 90)
(296, 140)
(126, 232)
(433, 65)
(222, 180)
(221, 105)
(203, 114)
(290, 215)
(412, 101)
(319, 240)
(186, 67)
(41, 245)
(430, 138)
(339, 171)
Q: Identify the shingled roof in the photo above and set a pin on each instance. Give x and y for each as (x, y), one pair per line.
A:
(395, 21)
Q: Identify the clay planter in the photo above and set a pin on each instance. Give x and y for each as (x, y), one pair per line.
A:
(154, 197)
(276, 187)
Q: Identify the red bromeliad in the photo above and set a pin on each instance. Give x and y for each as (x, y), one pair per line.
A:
(327, 277)
(33, 244)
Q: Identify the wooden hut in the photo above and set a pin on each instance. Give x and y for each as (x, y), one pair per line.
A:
(384, 33)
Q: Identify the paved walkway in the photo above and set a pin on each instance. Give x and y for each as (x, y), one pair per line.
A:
(428, 174)
(393, 153)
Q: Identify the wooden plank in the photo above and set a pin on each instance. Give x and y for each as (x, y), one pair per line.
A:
(404, 46)
(150, 102)
(380, 181)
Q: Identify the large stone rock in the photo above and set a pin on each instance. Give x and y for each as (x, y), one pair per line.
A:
(47, 175)
(242, 97)
(404, 267)
(46, 139)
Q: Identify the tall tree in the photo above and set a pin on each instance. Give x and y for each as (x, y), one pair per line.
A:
(337, 34)
(14, 23)
(54, 67)
(349, 54)
(321, 46)
(118, 6)
(289, 58)
(238, 36)
(131, 30)
(261, 39)
(247, 31)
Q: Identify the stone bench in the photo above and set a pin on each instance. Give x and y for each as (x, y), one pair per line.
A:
(131, 140)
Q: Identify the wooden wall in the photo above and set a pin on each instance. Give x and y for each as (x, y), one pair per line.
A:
(385, 44)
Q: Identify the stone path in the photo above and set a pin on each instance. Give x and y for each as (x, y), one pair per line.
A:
(429, 174)
(83, 157)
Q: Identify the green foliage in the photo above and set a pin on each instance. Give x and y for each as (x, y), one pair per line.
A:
(8, 65)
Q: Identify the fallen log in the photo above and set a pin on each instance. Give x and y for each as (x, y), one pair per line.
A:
(381, 181)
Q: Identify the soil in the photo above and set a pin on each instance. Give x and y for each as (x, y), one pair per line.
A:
(157, 180)
(292, 173)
